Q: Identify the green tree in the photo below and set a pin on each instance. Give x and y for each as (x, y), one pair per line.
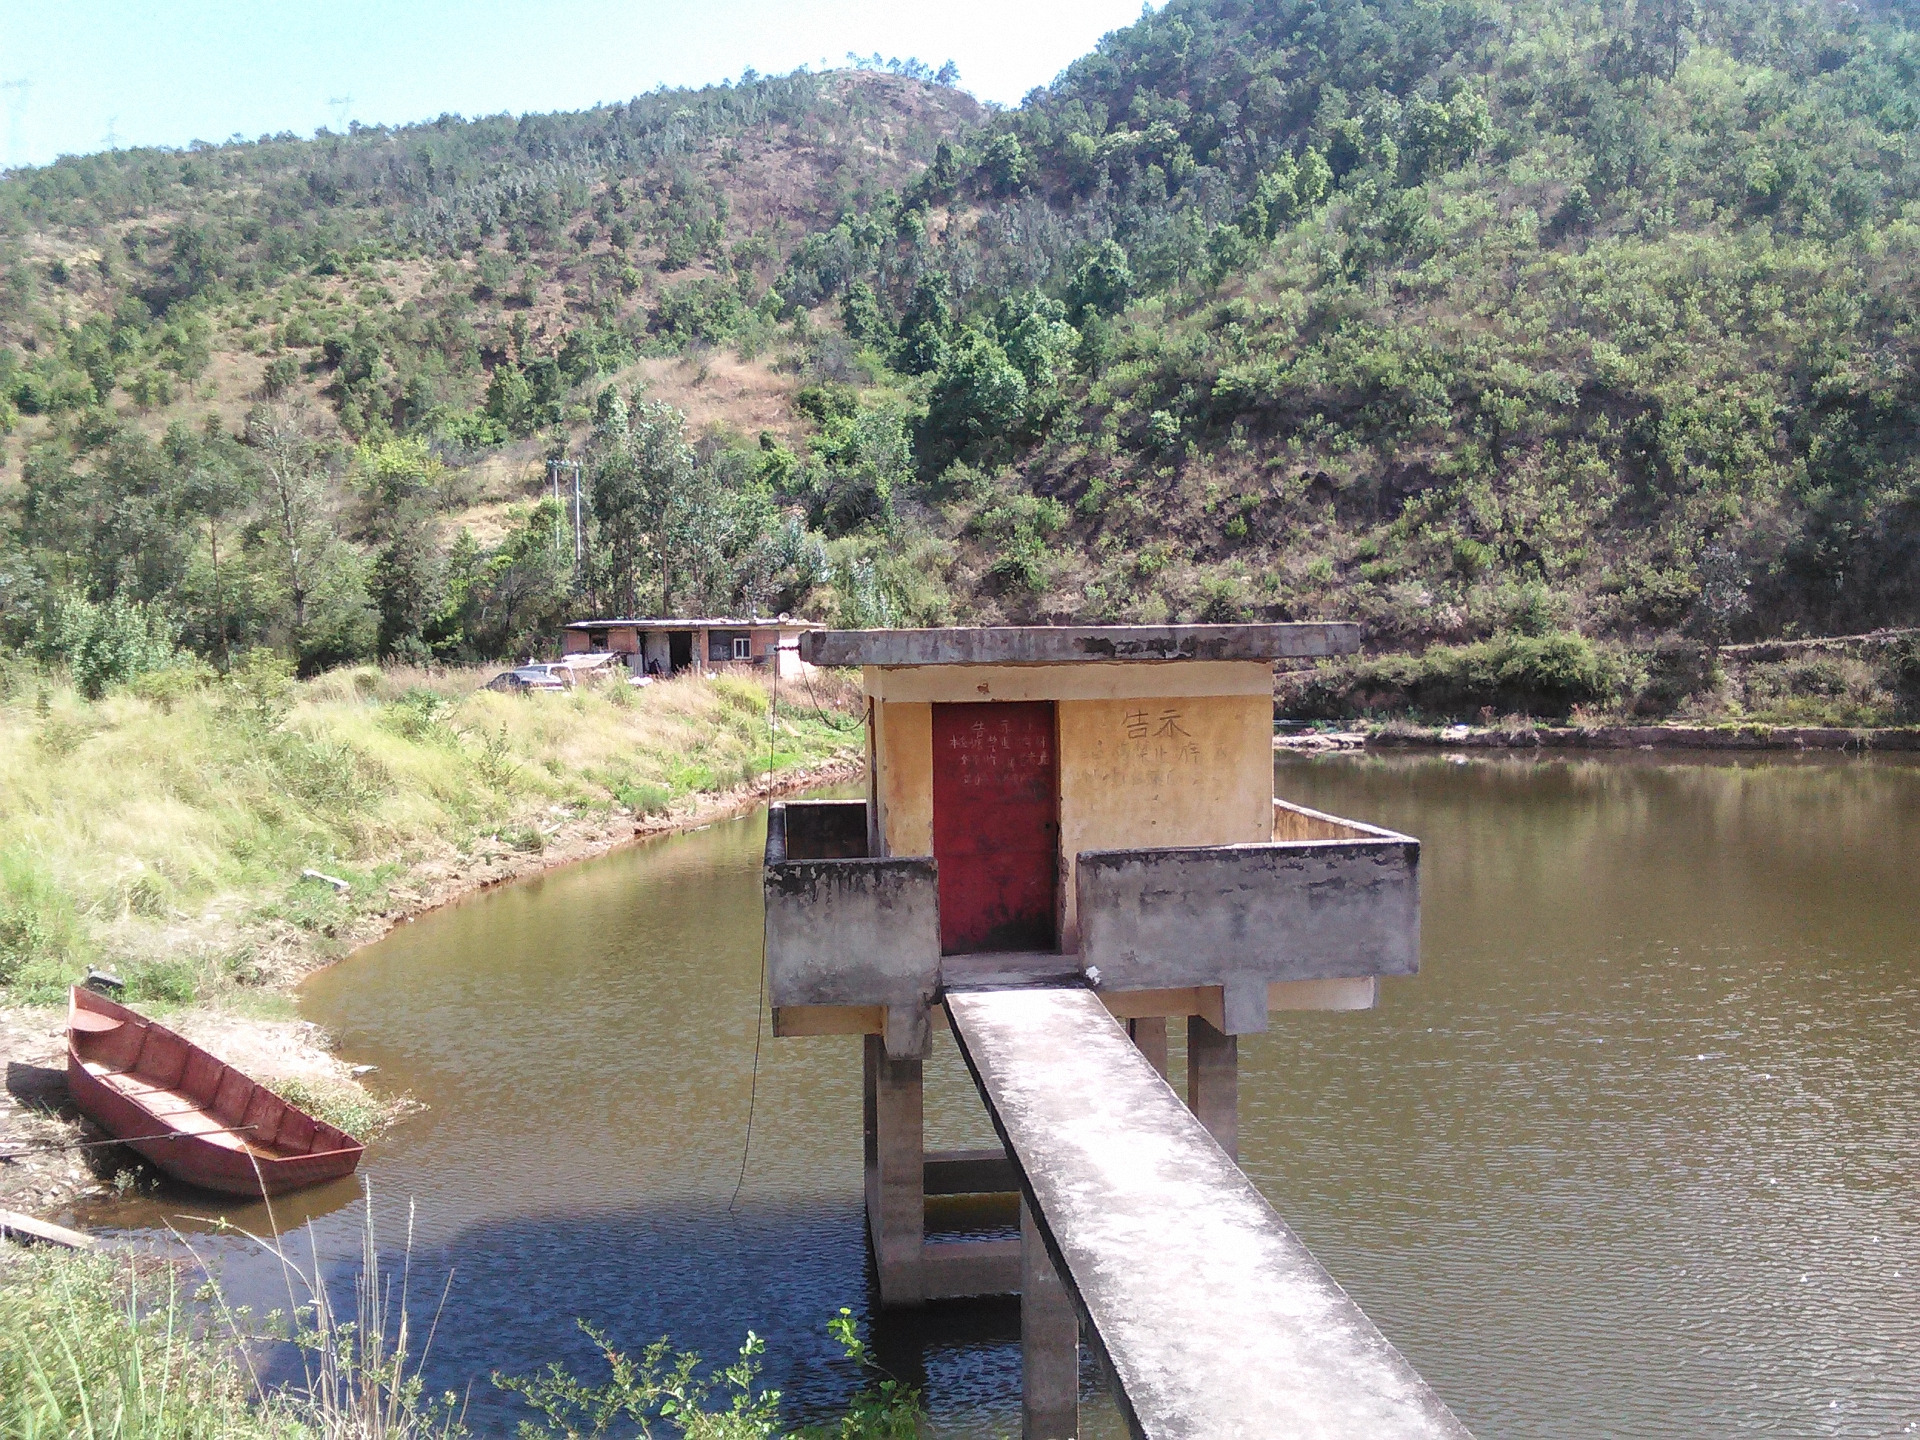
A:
(510, 399)
(866, 455)
(1102, 282)
(979, 399)
(645, 481)
(860, 312)
(1006, 164)
(925, 325)
(221, 486)
(519, 591)
(408, 578)
(324, 614)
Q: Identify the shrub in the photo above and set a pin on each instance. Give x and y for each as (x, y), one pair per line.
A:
(644, 798)
(106, 645)
(707, 309)
(1818, 689)
(1677, 671)
(170, 685)
(1545, 675)
(1905, 667)
(1020, 528)
(169, 982)
(661, 1384)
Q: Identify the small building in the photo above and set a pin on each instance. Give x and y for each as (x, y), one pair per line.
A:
(1090, 806)
(668, 646)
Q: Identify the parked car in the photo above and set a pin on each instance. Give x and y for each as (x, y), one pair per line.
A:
(525, 679)
(592, 665)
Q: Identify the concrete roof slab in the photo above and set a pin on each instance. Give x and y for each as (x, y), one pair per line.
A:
(1067, 644)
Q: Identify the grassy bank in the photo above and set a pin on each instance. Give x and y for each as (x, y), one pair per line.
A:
(166, 830)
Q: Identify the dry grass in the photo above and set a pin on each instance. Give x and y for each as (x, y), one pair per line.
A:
(719, 392)
(169, 837)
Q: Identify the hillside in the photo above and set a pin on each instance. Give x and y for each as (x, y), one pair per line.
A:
(1471, 320)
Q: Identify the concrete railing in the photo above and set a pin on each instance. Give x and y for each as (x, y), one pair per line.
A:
(1344, 904)
(1336, 900)
(852, 930)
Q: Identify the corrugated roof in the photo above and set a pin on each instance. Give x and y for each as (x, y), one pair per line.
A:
(765, 622)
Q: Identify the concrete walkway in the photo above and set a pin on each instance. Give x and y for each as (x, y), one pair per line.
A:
(1214, 1318)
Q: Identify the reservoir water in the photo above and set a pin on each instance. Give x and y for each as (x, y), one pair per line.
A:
(1637, 1154)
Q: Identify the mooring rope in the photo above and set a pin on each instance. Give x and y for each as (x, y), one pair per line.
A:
(126, 1140)
(760, 1000)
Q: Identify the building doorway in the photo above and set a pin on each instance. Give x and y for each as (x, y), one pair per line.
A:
(679, 650)
(996, 825)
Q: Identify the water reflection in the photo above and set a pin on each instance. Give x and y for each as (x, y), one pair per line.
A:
(1633, 1156)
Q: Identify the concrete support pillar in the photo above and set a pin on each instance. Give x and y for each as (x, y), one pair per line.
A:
(1150, 1034)
(896, 1160)
(1049, 1342)
(1213, 1082)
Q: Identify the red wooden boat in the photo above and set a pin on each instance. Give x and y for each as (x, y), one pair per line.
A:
(195, 1117)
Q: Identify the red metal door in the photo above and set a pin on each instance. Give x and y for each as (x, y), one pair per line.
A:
(996, 825)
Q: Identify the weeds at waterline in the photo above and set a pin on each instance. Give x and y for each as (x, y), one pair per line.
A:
(93, 1347)
(102, 1348)
(664, 1385)
(96, 1348)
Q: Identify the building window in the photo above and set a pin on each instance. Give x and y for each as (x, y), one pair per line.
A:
(596, 640)
(742, 648)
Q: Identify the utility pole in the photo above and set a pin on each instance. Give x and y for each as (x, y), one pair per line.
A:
(574, 465)
(554, 467)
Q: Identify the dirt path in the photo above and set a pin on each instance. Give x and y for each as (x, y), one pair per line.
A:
(35, 1111)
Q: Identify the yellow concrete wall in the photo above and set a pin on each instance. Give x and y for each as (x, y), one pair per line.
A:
(1147, 773)
(904, 742)
(1134, 773)
(1294, 822)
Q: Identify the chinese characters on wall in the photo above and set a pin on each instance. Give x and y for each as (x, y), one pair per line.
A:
(1156, 733)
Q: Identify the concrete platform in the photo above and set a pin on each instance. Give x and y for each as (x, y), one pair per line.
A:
(1215, 1320)
(1008, 970)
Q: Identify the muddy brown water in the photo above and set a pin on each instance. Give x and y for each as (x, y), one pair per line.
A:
(1637, 1154)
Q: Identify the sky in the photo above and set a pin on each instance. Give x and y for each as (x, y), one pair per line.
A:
(84, 75)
